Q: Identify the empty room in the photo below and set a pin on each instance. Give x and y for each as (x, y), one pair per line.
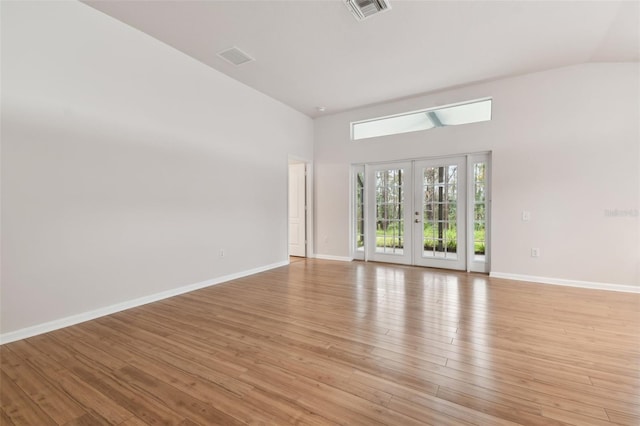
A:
(320, 212)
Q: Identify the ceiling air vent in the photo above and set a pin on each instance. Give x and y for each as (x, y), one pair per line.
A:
(235, 56)
(362, 9)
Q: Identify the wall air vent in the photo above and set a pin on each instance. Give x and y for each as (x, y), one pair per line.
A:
(362, 9)
(235, 56)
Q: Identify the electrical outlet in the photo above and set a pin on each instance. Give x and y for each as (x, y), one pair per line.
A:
(221, 253)
(535, 252)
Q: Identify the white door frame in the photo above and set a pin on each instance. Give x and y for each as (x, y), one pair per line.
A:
(466, 223)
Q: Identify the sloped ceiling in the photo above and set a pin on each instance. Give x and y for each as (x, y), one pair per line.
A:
(314, 53)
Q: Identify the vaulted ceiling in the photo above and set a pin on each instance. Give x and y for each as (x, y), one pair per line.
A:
(314, 53)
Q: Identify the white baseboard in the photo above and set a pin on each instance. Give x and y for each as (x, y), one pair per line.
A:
(112, 309)
(331, 257)
(568, 283)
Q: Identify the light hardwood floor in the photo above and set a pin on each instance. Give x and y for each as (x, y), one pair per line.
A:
(320, 342)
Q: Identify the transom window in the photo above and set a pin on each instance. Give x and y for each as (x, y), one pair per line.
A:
(448, 115)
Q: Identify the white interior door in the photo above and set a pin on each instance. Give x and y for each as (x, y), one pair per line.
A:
(388, 223)
(297, 210)
(440, 213)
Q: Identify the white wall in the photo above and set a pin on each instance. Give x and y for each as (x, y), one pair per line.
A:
(127, 166)
(565, 147)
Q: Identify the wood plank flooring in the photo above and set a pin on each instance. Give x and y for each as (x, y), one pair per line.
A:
(321, 342)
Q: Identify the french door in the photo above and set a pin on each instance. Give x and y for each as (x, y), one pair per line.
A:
(432, 213)
(439, 207)
(388, 213)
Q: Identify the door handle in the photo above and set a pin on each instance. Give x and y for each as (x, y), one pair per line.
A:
(417, 220)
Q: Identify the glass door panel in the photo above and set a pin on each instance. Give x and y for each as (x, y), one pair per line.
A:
(479, 212)
(438, 227)
(359, 211)
(389, 191)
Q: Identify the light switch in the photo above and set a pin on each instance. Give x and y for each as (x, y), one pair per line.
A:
(526, 216)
